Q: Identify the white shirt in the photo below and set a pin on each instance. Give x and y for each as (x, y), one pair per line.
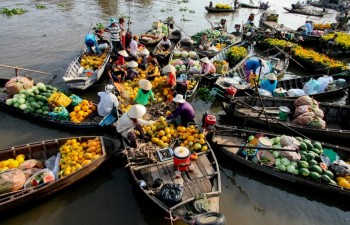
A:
(133, 47)
(125, 124)
(107, 101)
(167, 42)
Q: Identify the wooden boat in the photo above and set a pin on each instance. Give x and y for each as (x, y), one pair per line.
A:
(304, 11)
(262, 6)
(91, 122)
(216, 10)
(226, 139)
(163, 56)
(204, 179)
(222, 55)
(310, 39)
(248, 110)
(269, 20)
(42, 151)
(324, 4)
(78, 78)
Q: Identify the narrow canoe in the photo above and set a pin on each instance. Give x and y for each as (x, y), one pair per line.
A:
(304, 12)
(215, 10)
(42, 151)
(225, 139)
(163, 56)
(76, 78)
(248, 110)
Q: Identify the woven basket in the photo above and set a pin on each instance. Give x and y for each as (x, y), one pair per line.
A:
(266, 154)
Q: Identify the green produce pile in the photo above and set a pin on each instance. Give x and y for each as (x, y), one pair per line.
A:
(211, 35)
(203, 94)
(14, 11)
(40, 6)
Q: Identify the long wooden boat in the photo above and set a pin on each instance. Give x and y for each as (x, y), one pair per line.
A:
(90, 122)
(77, 78)
(305, 11)
(149, 39)
(248, 110)
(269, 20)
(163, 56)
(223, 56)
(216, 10)
(262, 6)
(324, 5)
(203, 180)
(227, 139)
(287, 84)
(42, 151)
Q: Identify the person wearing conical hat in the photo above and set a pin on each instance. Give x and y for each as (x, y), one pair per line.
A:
(121, 57)
(269, 82)
(131, 121)
(184, 112)
(114, 71)
(170, 71)
(145, 92)
(131, 72)
(207, 66)
(108, 101)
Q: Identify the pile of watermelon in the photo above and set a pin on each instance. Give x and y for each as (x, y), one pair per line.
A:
(34, 99)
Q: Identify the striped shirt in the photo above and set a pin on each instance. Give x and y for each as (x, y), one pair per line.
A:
(115, 32)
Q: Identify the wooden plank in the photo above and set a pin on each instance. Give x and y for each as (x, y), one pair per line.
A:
(171, 170)
(164, 174)
(147, 176)
(195, 173)
(197, 186)
(192, 189)
(184, 176)
(227, 140)
(186, 192)
(198, 183)
(206, 185)
(154, 173)
(201, 167)
(207, 165)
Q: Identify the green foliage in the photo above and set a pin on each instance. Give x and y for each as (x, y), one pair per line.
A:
(14, 11)
(40, 6)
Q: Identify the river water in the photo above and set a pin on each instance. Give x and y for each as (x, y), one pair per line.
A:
(49, 39)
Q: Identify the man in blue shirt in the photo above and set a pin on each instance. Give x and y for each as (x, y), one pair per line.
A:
(90, 41)
(251, 65)
(308, 27)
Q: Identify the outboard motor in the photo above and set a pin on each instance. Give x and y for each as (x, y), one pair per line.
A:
(208, 120)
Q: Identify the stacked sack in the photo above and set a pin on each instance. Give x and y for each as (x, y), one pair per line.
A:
(307, 113)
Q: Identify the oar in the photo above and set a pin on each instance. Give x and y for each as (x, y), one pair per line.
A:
(291, 58)
(19, 68)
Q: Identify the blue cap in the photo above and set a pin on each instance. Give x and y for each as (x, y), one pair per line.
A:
(112, 20)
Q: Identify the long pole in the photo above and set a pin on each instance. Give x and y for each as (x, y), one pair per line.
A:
(19, 68)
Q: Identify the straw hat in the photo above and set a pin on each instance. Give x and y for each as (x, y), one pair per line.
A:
(136, 111)
(280, 90)
(109, 88)
(132, 64)
(179, 98)
(144, 51)
(123, 53)
(271, 76)
(145, 84)
(169, 69)
(205, 60)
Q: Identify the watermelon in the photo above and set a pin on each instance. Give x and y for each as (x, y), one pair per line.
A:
(48, 179)
(304, 172)
(303, 164)
(316, 168)
(317, 145)
(312, 162)
(315, 175)
(329, 173)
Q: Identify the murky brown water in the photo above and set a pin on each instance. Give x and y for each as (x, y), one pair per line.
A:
(50, 39)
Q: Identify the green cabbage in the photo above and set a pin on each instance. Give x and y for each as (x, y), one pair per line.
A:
(285, 161)
(23, 106)
(41, 86)
(290, 169)
(9, 101)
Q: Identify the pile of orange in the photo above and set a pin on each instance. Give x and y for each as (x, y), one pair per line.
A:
(75, 154)
(82, 111)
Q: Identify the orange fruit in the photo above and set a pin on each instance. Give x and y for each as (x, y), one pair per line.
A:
(72, 114)
(167, 113)
(77, 108)
(93, 108)
(85, 102)
(85, 108)
(161, 133)
(164, 138)
(85, 114)
(81, 113)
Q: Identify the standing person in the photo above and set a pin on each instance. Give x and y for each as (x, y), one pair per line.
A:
(108, 101)
(207, 66)
(90, 41)
(130, 121)
(269, 82)
(171, 78)
(330, 44)
(116, 33)
(131, 72)
(184, 112)
(145, 92)
(122, 28)
(114, 71)
(134, 47)
(165, 43)
(210, 4)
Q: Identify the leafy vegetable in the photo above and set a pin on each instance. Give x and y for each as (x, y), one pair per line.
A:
(14, 11)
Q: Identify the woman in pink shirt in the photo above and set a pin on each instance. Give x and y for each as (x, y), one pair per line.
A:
(207, 66)
(122, 27)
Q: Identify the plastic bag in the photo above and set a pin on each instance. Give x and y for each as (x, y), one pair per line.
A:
(290, 141)
(307, 108)
(341, 168)
(311, 87)
(305, 100)
(59, 99)
(59, 113)
(41, 177)
(11, 180)
(291, 155)
(30, 163)
(16, 84)
(171, 194)
(324, 82)
(296, 92)
(310, 119)
(264, 92)
(53, 164)
(75, 100)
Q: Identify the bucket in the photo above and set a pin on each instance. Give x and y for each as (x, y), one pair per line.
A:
(181, 158)
(264, 142)
(283, 113)
(103, 47)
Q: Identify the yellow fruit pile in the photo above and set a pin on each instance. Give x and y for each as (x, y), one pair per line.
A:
(344, 181)
(92, 62)
(220, 46)
(162, 134)
(11, 163)
(75, 155)
(223, 6)
(161, 52)
(82, 111)
(191, 84)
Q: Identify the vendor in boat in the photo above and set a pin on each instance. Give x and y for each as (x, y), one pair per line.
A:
(251, 65)
(131, 121)
(269, 82)
(131, 72)
(134, 47)
(108, 101)
(145, 92)
(184, 112)
(207, 66)
(330, 44)
(114, 71)
(170, 71)
(152, 57)
(251, 18)
(121, 57)
(210, 4)
(90, 41)
(308, 27)
(143, 59)
(152, 70)
(116, 34)
(165, 43)
(203, 42)
(122, 28)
